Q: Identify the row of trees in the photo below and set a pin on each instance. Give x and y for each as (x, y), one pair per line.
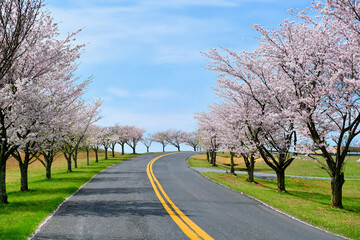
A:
(109, 137)
(87, 136)
(299, 91)
(41, 109)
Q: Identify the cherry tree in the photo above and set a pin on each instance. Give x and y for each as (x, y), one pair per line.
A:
(249, 79)
(147, 141)
(233, 135)
(190, 139)
(175, 137)
(122, 133)
(95, 140)
(35, 66)
(319, 59)
(85, 115)
(161, 138)
(135, 135)
(113, 139)
(17, 20)
(208, 134)
(106, 140)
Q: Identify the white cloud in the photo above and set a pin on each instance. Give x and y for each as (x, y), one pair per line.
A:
(155, 94)
(134, 33)
(118, 92)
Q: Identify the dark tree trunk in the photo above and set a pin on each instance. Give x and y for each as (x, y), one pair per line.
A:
(250, 166)
(75, 158)
(147, 149)
(68, 159)
(250, 169)
(24, 161)
(133, 148)
(194, 148)
(24, 176)
(163, 147)
(208, 156)
(281, 181)
(337, 182)
(96, 155)
(3, 195)
(106, 153)
(112, 147)
(47, 162)
(87, 156)
(232, 170)
(48, 170)
(75, 161)
(178, 147)
(122, 148)
(213, 158)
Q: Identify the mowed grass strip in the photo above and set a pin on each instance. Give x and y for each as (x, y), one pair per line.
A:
(302, 166)
(20, 218)
(308, 200)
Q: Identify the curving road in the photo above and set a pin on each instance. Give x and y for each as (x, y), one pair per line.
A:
(122, 203)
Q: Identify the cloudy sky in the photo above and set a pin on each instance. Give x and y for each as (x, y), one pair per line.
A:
(145, 55)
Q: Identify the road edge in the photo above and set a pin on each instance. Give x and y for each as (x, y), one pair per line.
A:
(264, 203)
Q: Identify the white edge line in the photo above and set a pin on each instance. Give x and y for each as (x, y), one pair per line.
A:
(66, 199)
(265, 204)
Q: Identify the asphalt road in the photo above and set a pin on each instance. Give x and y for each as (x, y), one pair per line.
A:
(120, 203)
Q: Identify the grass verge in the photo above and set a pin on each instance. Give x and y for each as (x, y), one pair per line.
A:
(20, 218)
(301, 166)
(308, 200)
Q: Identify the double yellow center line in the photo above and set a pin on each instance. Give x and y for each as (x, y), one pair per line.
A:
(191, 230)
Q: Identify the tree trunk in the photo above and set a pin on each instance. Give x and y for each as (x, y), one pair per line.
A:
(96, 155)
(147, 149)
(232, 170)
(24, 176)
(122, 148)
(75, 158)
(213, 158)
(68, 159)
(194, 148)
(163, 147)
(87, 156)
(337, 182)
(281, 181)
(250, 169)
(3, 195)
(208, 156)
(178, 147)
(250, 166)
(48, 170)
(113, 152)
(133, 148)
(106, 153)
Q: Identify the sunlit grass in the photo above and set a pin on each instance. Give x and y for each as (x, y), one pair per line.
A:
(301, 166)
(28, 209)
(308, 200)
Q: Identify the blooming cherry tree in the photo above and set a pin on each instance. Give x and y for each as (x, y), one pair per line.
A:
(135, 135)
(160, 137)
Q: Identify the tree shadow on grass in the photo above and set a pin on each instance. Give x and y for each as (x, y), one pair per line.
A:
(55, 179)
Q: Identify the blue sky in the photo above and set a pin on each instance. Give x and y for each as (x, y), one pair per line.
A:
(145, 55)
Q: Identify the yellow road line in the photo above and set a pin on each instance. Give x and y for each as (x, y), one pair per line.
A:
(192, 230)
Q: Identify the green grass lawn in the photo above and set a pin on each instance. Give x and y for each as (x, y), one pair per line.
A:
(20, 218)
(308, 200)
(301, 166)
